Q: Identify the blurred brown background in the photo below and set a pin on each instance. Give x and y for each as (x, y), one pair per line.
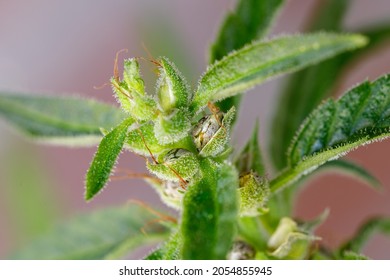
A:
(65, 47)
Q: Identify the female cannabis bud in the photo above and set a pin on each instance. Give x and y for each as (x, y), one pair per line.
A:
(206, 129)
(212, 133)
(254, 192)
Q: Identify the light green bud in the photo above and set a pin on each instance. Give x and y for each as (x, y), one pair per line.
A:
(173, 91)
(254, 193)
(130, 93)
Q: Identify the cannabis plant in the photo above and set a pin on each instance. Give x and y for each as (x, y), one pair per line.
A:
(228, 205)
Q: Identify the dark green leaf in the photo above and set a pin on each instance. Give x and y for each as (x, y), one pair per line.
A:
(360, 117)
(251, 20)
(365, 232)
(99, 235)
(262, 60)
(377, 34)
(105, 158)
(210, 213)
(60, 120)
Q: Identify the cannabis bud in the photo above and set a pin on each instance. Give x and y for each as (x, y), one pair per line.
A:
(254, 192)
(211, 134)
(173, 95)
(130, 92)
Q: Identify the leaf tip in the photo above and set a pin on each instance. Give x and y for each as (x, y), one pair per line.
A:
(360, 40)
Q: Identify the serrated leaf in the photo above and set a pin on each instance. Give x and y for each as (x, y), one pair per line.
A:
(365, 232)
(170, 250)
(105, 158)
(60, 120)
(304, 91)
(335, 128)
(96, 235)
(156, 254)
(210, 213)
(263, 60)
(249, 21)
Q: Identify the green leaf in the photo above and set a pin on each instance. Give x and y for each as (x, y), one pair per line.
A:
(60, 120)
(250, 158)
(329, 15)
(260, 61)
(210, 213)
(360, 117)
(304, 91)
(101, 234)
(105, 158)
(170, 250)
(254, 231)
(157, 254)
(365, 232)
(251, 20)
(301, 94)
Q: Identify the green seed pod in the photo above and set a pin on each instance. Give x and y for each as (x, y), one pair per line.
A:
(241, 251)
(254, 193)
(171, 193)
(130, 92)
(211, 134)
(176, 165)
(173, 127)
(172, 89)
(288, 242)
